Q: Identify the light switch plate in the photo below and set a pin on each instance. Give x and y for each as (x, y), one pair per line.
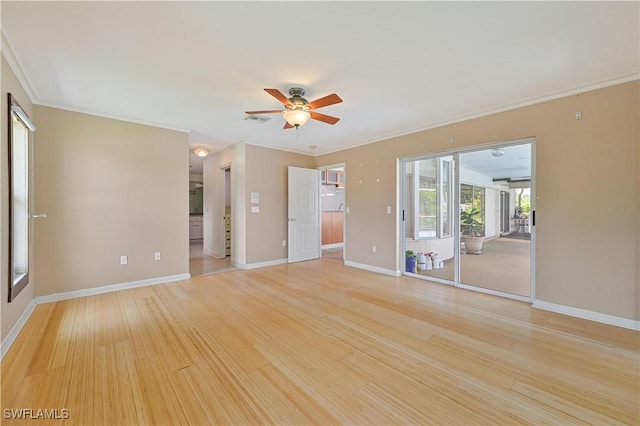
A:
(255, 209)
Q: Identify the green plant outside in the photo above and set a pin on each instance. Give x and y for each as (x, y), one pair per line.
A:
(470, 225)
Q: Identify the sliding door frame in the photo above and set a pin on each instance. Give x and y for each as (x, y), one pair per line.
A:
(455, 205)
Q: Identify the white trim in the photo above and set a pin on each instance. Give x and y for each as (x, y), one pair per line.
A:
(494, 292)
(16, 67)
(212, 254)
(17, 327)
(444, 281)
(534, 239)
(588, 315)
(264, 264)
(111, 116)
(56, 297)
(23, 116)
(277, 148)
(332, 246)
(371, 268)
(533, 101)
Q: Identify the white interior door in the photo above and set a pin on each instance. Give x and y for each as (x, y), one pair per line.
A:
(304, 214)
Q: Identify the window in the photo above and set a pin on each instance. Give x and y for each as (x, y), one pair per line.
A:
(430, 197)
(19, 127)
(472, 197)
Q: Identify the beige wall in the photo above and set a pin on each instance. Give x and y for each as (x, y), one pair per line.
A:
(10, 312)
(267, 171)
(214, 206)
(256, 237)
(109, 188)
(588, 189)
(112, 188)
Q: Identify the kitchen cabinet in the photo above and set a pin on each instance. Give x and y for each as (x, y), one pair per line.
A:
(333, 177)
(227, 232)
(195, 227)
(332, 227)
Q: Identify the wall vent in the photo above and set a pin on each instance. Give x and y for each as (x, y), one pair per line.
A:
(257, 119)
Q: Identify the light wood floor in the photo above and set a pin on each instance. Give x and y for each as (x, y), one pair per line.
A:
(202, 264)
(317, 343)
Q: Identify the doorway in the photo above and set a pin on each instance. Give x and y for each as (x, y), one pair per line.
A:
(332, 205)
(303, 212)
(201, 261)
(454, 202)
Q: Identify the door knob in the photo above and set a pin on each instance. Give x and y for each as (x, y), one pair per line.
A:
(39, 216)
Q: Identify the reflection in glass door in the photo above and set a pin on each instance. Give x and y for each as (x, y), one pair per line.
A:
(491, 182)
(428, 217)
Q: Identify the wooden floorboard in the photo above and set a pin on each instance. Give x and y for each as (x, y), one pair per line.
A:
(316, 343)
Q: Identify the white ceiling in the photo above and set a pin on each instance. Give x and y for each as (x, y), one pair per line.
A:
(514, 163)
(398, 66)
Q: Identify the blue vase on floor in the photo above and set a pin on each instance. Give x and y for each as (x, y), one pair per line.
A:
(410, 264)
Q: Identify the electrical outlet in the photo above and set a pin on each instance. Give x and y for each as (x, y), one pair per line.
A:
(124, 260)
(373, 249)
(156, 256)
(284, 243)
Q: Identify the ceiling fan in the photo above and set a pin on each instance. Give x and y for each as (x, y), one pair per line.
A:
(298, 110)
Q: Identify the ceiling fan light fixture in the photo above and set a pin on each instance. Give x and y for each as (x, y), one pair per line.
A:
(296, 117)
(201, 152)
(497, 152)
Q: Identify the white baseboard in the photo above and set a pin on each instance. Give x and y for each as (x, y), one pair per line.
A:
(56, 297)
(589, 315)
(259, 264)
(371, 268)
(15, 330)
(493, 292)
(332, 246)
(212, 254)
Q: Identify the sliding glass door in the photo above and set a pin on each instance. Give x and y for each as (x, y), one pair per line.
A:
(467, 218)
(428, 217)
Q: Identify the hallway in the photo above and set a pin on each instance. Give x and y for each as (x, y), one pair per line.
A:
(202, 264)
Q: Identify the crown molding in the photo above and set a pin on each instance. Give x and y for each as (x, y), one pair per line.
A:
(8, 54)
(111, 116)
(533, 101)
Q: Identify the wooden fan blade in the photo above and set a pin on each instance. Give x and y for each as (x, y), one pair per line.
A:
(278, 95)
(287, 125)
(326, 101)
(271, 111)
(324, 118)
